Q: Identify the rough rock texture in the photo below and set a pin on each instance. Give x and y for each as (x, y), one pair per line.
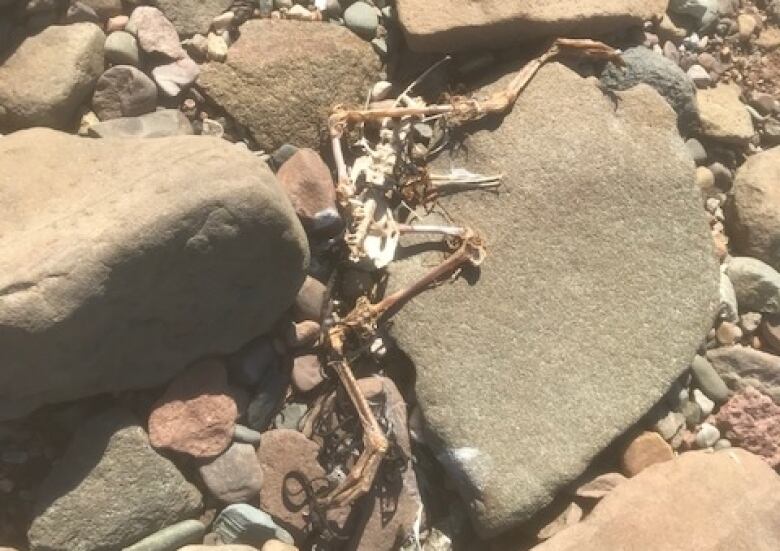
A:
(591, 302)
(723, 116)
(729, 500)
(283, 77)
(166, 122)
(122, 261)
(50, 75)
(754, 224)
(453, 25)
(192, 16)
(741, 366)
(110, 490)
(123, 91)
(643, 65)
(197, 413)
(751, 420)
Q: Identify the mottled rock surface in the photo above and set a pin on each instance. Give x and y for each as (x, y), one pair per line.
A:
(751, 420)
(454, 25)
(192, 16)
(742, 366)
(581, 316)
(110, 490)
(129, 259)
(283, 77)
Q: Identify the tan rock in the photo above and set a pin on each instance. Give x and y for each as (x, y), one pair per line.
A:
(600, 486)
(647, 449)
(276, 545)
(197, 413)
(769, 38)
(450, 25)
(306, 373)
(728, 500)
(723, 116)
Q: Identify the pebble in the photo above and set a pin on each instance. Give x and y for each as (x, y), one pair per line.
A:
(290, 416)
(300, 13)
(197, 46)
(87, 121)
(705, 404)
(235, 476)
(175, 76)
(750, 322)
(223, 21)
(699, 75)
(196, 414)
(746, 25)
(381, 90)
(305, 334)
(600, 486)
(156, 35)
(721, 444)
(708, 380)
(692, 413)
(728, 309)
(306, 373)
(246, 435)
(723, 116)
(728, 333)
(210, 127)
(756, 284)
(705, 180)
(216, 48)
(707, 435)
(242, 523)
(362, 19)
(79, 12)
(171, 538)
(121, 48)
(724, 179)
(671, 52)
(123, 91)
(310, 299)
(647, 449)
(116, 23)
(309, 185)
(697, 151)
(670, 425)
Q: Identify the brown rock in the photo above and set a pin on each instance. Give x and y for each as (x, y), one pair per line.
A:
(450, 25)
(751, 420)
(304, 334)
(728, 333)
(309, 185)
(600, 486)
(197, 413)
(156, 35)
(723, 116)
(283, 77)
(235, 476)
(281, 452)
(306, 373)
(123, 91)
(647, 449)
(729, 500)
(309, 302)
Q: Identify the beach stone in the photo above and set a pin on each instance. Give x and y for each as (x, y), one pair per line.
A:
(172, 538)
(148, 230)
(699, 76)
(48, 76)
(728, 333)
(724, 500)
(703, 13)
(305, 334)
(670, 424)
(216, 48)
(192, 16)
(646, 449)
(705, 404)
(729, 308)
(723, 116)
(109, 490)
(607, 389)
(643, 65)
(173, 77)
(235, 476)
(308, 303)
(457, 25)
(708, 380)
(123, 91)
(751, 420)
(742, 366)
(196, 415)
(290, 416)
(307, 373)
(158, 124)
(697, 151)
(309, 185)
(246, 435)
(283, 95)
(121, 48)
(756, 284)
(754, 221)
(600, 486)
(242, 523)
(156, 35)
(362, 19)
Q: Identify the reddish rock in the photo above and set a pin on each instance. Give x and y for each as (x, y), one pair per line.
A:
(304, 334)
(600, 486)
(235, 476)
(306, 373)
(156, 35)
(197, 413)
(751, 420)
(308, 303)
(308, 183)
(647, 449)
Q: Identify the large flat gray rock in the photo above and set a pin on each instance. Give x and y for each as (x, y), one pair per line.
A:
(599, 284)
(122, 261)
(457, 25)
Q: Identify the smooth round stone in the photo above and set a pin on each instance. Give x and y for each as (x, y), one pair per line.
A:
(121, 48)
(306, 373)
(697, 151)
(707, 436)
(381, 90)
(705, 180)
(235, 476)
(246, 435)
(728, 333)
(123, 91)
(704, 403)
(722, 444)
(692, 413)
(116, 23)
(708, 380)
(172, 537)
(362, 19)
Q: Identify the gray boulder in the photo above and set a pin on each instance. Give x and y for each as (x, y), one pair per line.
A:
(192, 16)
(44, 81)
(109, 490)
(122, 261)
(756, 285)
(648, 67)
(162, 123)
(600, 283)
(284, 94)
